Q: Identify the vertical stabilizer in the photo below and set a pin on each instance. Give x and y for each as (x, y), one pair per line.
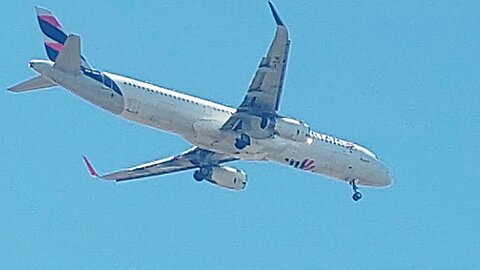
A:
(54, 37)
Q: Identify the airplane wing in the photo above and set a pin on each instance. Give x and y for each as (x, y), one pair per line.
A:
(193, 158)
(265, 90)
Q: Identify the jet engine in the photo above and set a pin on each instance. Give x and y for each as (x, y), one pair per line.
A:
(267, 127)
(292, 129)
(261, 127)
(226, 177)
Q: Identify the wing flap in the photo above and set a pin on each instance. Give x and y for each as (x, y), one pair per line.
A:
(266, 87)
(190, 159)
(169, 165)
(265, 90)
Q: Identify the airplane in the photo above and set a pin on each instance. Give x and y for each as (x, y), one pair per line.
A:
(253, 131)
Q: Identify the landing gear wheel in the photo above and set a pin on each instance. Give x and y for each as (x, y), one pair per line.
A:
(242, 141)
(357, 196)
(198, 176)
(205, 171)
(201, 173)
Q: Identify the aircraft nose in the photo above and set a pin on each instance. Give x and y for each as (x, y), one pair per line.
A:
(386, 175)
(389, 178)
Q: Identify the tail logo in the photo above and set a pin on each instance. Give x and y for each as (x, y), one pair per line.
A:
(53, 35)
(50, 19)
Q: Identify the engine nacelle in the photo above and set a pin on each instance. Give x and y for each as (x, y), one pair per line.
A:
(266, 127)
(292, 129)
(227, 177)
(261, 127)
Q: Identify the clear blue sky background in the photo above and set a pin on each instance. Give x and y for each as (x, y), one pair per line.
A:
(399, 78)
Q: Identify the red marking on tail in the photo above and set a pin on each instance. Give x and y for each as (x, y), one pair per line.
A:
(54, 45)
(90, 168)
(51, 20)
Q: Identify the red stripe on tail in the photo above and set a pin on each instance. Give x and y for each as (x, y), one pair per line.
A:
(90, 168)
(50, 19)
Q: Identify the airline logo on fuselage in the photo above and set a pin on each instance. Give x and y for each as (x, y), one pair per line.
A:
(306, 164)
(333, 140)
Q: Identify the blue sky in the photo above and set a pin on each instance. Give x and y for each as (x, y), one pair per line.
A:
(399, 78)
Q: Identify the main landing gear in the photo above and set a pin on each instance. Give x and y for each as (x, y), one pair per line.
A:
(356, 194)
(242, 141)
(202, 173)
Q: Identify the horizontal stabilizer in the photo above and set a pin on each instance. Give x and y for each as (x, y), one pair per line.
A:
(36, 83)
(69, 57)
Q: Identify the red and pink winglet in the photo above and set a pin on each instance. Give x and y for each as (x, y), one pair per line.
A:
(90, 168)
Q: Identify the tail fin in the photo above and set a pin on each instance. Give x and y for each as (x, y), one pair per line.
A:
(53, 35)
(36, 83)
(69, 57)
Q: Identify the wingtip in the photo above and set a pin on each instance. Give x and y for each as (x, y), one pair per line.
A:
(90, 168)
(277, 18)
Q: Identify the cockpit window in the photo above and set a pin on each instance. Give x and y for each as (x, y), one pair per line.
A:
(365, 151)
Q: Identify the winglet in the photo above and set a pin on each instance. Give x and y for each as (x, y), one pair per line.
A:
(90, 168)
(275, 14)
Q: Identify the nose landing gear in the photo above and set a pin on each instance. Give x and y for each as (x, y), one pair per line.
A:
(356, 194)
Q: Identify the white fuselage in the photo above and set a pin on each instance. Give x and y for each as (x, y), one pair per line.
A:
(199, 121)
